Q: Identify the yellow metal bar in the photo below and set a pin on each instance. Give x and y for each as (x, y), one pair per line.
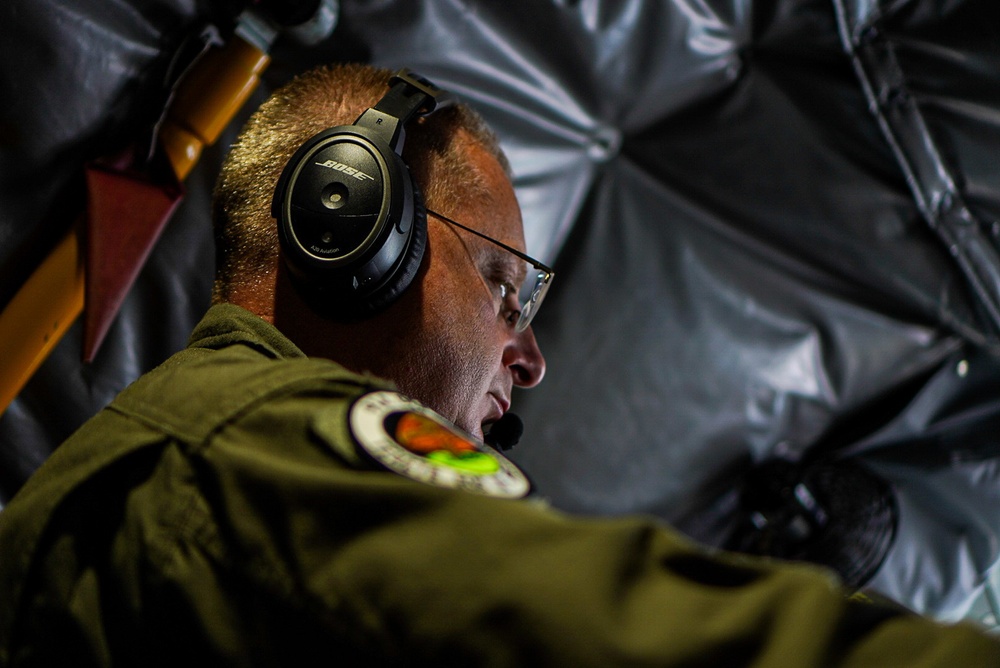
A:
(39, 314)
(52, 298)
(211, 96)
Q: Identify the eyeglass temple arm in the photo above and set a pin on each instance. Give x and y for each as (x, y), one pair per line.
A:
(527, 258)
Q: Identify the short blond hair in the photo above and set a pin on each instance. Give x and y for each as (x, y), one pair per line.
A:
(436, 146)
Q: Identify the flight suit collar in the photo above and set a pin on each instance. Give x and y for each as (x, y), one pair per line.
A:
(227, 324)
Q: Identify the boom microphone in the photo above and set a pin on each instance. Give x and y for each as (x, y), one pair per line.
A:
(505, 432)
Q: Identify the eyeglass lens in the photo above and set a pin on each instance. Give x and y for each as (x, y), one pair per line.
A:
(531, 295)
(537, 281)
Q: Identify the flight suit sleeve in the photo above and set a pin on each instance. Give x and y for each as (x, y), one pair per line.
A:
(296, 546)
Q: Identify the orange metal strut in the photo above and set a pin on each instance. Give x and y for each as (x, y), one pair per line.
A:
(50, 300)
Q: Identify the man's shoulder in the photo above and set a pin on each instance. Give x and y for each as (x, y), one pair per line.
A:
(234, 361)
(186, 402)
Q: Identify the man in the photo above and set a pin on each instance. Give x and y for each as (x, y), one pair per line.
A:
(444, 344)
(245, 504)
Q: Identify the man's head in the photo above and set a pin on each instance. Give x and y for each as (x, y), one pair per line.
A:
(446, 341)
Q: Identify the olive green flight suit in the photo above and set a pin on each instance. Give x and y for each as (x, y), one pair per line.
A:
(218, 512)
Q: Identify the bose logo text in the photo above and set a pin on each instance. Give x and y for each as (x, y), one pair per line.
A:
(349, 171)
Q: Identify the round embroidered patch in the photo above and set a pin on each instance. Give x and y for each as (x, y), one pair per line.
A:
(408, 438)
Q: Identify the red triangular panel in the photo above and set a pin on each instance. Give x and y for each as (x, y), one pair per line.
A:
(125, 215)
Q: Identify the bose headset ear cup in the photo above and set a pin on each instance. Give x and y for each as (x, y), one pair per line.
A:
(351, 220)
(410, 263)
(344, 205)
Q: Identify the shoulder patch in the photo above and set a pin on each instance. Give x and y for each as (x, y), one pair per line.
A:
(406, 437)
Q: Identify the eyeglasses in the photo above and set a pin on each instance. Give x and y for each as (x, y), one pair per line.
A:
(536, 282)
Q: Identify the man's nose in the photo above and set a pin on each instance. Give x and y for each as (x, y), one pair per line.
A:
(524, 359)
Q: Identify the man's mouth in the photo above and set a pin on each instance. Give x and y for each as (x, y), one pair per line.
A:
(500, 406)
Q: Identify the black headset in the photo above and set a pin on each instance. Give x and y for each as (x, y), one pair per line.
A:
(351, 220)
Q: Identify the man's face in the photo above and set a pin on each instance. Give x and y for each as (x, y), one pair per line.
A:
(465, 356)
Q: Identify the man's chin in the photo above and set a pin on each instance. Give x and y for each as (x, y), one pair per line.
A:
(474, 428)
